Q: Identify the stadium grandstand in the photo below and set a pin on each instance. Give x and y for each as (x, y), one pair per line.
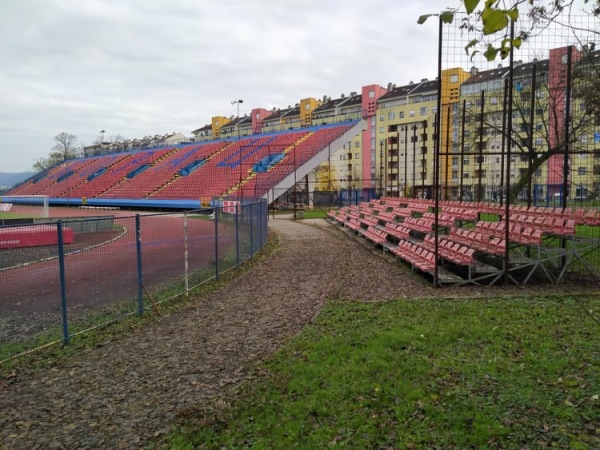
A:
(184, 175)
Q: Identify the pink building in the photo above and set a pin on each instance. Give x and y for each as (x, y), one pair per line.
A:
(258, 115)
(557, 86)
(370, 95)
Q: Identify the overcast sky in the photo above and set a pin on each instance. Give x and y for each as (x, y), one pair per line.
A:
(145, 67)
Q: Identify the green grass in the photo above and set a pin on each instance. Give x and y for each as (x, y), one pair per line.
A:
(315, 214)
(487, 373)
(9, 215)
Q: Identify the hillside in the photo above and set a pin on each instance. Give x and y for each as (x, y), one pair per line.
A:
(8, 180)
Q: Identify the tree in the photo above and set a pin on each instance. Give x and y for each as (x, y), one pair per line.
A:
(492, 21)
(538, 132)
(65, 148)
(489, 21)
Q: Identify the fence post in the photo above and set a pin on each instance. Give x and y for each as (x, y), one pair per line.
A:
(263, 223)
(63, 285)
(251, 230)
(259, 224)
(217, 241)
(237, 232)
(138, 247)
(185, 254)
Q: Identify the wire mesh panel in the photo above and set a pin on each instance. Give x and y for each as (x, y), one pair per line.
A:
(56, 284)
(517, 137)
(100, 271)
(30, 289)
(229, 239)
(163, 255)
(200, 246)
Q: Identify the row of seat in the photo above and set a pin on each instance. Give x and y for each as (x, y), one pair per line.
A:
(375, 235)
(452, 251)
(526, 233)
(420, 254)
(484, 242)
(416, 255)
(582, 215)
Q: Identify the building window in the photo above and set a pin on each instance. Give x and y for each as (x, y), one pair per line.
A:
(391, 115)
(356, 144)
(454, 78)
(412, 113)
(581, 170)
(381, 118)
(401, 115)
(371, 94)
(357, 156)
(423, 110)
(494, 101)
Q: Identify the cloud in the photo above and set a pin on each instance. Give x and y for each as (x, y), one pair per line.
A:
(135, 67)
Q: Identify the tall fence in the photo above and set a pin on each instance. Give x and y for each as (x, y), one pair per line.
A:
(525, 129)
(63, 278)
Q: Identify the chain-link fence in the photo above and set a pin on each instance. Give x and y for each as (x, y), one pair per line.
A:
(65, 277)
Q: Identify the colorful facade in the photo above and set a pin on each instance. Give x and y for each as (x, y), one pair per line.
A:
(395, 151)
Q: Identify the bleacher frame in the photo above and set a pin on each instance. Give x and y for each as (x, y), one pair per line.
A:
(543, 245)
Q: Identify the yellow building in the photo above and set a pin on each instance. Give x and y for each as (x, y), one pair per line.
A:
(406, 118)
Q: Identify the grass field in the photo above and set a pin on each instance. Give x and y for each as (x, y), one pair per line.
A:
(9, 215)
(485, 373)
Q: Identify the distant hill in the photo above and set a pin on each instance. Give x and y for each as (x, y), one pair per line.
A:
(8, 180)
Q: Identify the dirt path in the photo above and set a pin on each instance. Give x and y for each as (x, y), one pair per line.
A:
(129, 392)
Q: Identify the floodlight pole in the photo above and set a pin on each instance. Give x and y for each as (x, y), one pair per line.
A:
(237, 125)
